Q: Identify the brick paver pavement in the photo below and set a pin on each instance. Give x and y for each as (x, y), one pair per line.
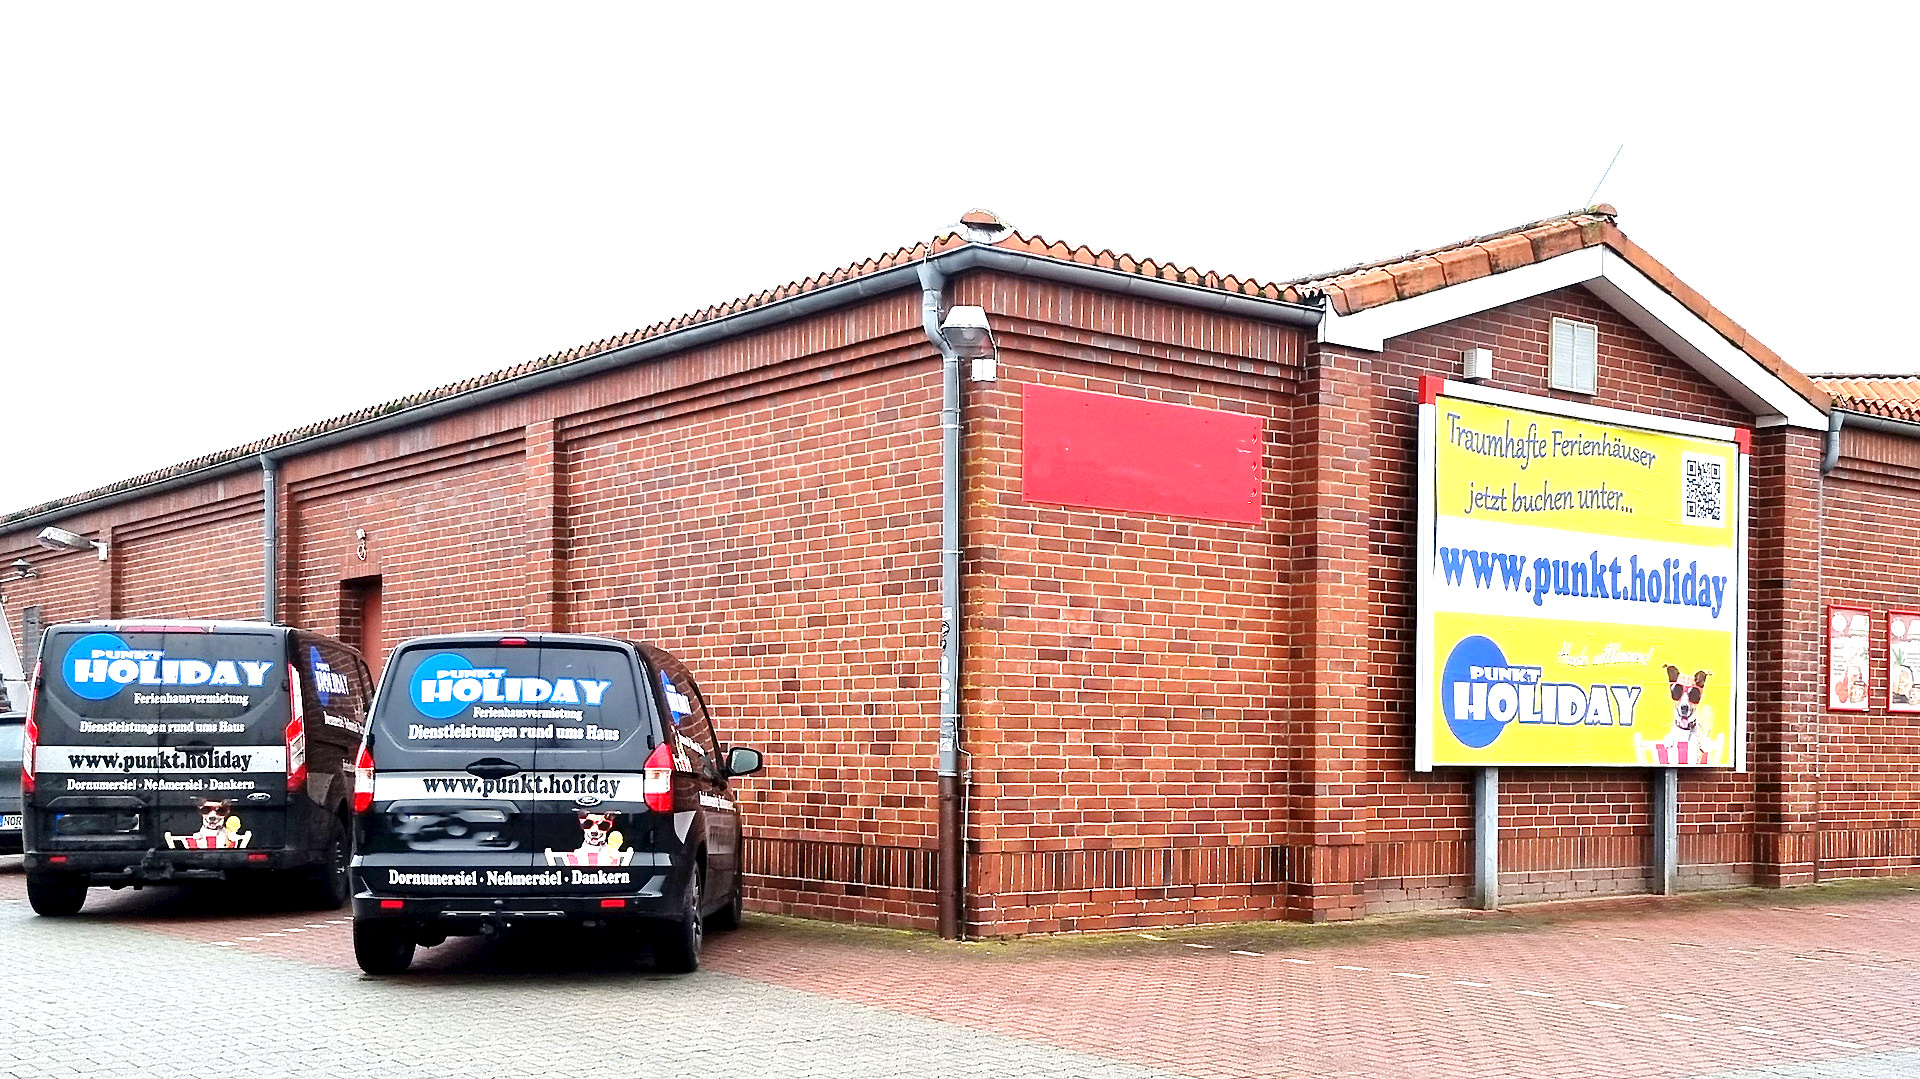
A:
(163, 983)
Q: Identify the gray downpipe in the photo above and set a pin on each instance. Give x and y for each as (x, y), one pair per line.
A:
(1834, 421)
(950, 827)
(270, 538)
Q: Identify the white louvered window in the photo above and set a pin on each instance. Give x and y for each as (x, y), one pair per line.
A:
(1576, 355)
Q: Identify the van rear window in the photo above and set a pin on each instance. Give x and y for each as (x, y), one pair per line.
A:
(163, 676)
(471, 697)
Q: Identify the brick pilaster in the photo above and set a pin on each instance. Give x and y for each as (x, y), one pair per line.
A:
(1332, 652)
(107, 587)
(546, 564)
(1785, 710)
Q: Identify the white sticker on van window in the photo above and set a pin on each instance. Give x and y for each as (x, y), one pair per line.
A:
(328, 682)
(677, 702)
(100, 665)
(448, 684)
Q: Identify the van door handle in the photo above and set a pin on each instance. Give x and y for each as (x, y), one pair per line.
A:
(493, 768)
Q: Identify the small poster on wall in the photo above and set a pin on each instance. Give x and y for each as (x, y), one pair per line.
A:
(1903, 661)
(1847, 635)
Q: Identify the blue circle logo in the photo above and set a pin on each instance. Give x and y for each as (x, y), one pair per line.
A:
(1468, 714)
(96, 678)
(433, 692)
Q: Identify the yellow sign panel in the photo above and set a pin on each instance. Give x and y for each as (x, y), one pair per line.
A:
(1580, 601)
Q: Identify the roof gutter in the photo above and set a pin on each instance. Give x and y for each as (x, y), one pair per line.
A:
(1839, 418)
(894, 279)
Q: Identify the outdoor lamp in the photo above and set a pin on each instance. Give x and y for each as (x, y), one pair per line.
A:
(59, 539)
(967, 333)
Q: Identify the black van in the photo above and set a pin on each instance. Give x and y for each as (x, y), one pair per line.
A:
(542, 778)
(184, 751)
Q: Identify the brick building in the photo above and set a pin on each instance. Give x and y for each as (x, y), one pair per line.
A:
(1168, 717)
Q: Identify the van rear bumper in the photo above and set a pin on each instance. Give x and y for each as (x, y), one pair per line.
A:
(458, 914)
(162, 866)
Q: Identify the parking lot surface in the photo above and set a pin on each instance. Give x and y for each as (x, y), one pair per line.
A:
(161, 983)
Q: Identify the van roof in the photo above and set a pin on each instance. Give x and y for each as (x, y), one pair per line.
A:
(494, 637)
(204, 625)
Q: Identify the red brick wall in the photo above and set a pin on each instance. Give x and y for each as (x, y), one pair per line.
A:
(1564, 831)
(786, 546)
(1869, 764)
(1124, 696)
(446, 535)
(1167, 720)
(194, 552)
(202, 564)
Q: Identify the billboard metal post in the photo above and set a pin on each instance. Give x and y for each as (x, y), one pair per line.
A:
(1666, 830)
(1486, 838)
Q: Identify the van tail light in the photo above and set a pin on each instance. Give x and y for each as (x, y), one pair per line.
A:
(363, 780)
(296, 733)
(658, 784)
(32, 740)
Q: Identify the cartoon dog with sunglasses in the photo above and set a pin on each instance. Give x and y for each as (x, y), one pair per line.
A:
(1689, 719)
(600, 843)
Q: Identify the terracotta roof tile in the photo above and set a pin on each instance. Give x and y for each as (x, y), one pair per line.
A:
(1355, 288)
(1893, 396)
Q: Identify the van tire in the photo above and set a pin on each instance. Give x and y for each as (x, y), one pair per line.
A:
(327, 886)
(381, 947)
(676, 947)
(729, 917)
(56, 895)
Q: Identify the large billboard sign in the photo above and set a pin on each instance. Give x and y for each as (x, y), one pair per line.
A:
(1582, 585)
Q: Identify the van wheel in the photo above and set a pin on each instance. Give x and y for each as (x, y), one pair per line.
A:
(677, 948)
(328, 887)
(730, 916)
(56, 895)
(381, 947)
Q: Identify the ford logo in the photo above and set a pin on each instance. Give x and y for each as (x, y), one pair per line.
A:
(259, 796)
(587, 801)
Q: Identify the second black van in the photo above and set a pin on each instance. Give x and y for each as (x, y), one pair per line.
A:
(538, 779)
(170, 752)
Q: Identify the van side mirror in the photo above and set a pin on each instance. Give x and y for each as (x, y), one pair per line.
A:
(742, 761)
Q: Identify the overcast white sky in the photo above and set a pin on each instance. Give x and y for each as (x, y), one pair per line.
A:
(225, 220)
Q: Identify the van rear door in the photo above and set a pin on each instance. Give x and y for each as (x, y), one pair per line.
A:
(504, 768)
(593, 832)
(161, 737)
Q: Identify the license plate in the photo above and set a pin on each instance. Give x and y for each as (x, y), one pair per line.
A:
(9, 822)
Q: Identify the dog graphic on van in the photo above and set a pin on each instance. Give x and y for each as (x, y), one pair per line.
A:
(219, 829)
(600, 843)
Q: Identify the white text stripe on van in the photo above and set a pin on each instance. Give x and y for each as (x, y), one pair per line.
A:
(524, 786)
(155, 760)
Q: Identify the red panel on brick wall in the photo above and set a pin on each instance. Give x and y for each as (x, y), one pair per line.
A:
(1121, 453)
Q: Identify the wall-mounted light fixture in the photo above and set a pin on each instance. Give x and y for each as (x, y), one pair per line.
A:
(967, 333)
(23, 570)
(59, 539)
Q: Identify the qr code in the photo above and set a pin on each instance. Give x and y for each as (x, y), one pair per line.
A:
(1703, 489)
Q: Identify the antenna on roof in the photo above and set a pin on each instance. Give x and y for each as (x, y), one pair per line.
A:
(1603, 176)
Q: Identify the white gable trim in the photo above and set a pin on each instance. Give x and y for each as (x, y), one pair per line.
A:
(1616, 282)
